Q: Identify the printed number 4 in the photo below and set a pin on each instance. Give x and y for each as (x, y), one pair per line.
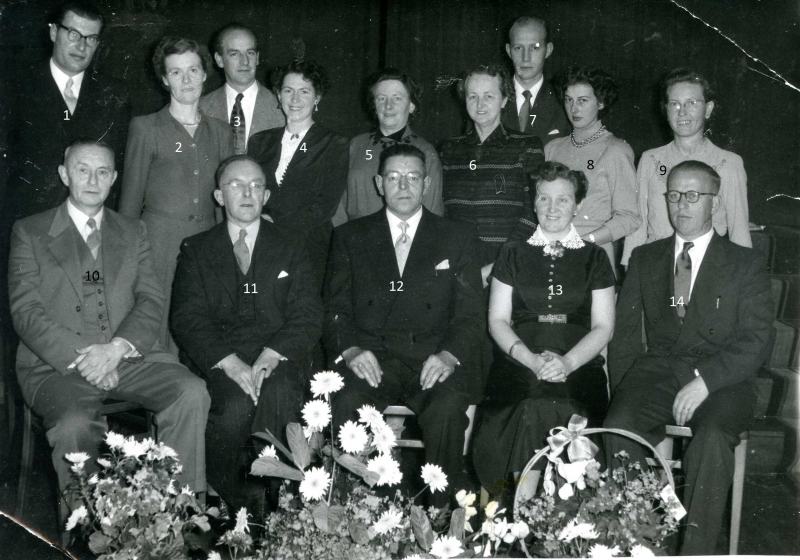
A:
(247, 289)
(680, 302)
(399, 287)
(555, 290)
(303, 148)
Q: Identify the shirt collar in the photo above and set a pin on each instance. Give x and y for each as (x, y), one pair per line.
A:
(571, 241)
(499, 134)
(61, 79)
(534, 89)
(394, 224)
(249, 94)
(80, 219)
(397, 136)
(700, 245)
(252, 232)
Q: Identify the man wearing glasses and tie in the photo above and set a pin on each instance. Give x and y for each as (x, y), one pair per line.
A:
(706, 304)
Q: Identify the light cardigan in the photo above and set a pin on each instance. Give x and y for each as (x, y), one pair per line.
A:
(731, 218)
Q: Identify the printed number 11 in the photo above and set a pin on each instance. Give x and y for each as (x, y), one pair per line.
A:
(247, 289)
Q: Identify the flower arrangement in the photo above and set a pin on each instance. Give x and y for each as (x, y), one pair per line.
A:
(131, 508)
(583, 512)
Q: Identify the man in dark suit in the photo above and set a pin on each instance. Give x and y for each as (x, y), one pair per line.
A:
(247, 315)
(536, 110)
(707, 311)
(247, 105)
(405, 311)
(86, 304)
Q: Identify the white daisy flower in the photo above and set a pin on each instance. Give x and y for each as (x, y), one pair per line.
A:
(317, 414)
(602, 551)
(269, 451)
(325, 383)
(434, 477)
(383, 438)
(186, 490)
(94, 479)
(115, 440)
(368, 415)
(353, 437)
(387, 468)
(105, 463)
(76, 515)
(641, 551)
(389, 521)
(79, 457)
(315, 483)
(214, 555)
(446, 547)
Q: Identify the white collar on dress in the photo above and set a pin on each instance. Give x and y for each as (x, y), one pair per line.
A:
(571, 241)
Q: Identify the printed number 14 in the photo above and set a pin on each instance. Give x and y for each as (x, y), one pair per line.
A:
(680, 302)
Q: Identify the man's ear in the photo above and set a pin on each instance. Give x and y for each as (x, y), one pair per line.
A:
(62, 172)
(425, 184)
(218, 197)
(549, 50)
(267, 194)
(379, 184)
(715, 202)
(53, 31)
(114, 177)
(219, 60)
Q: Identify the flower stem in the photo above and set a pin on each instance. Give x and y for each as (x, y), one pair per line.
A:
(333, 479)
(420, 493)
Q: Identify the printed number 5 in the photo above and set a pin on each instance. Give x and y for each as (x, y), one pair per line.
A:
(369, 155)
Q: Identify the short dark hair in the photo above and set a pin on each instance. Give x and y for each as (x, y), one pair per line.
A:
(178, 45)
(230, 160)
(700, 167)
(311, 71)
(88, 142)
(81, 8)
(372, 81)
(219, 36)
(552, 170)
(525, 20)
(400, 149)
(603, 85)
(493, 71)
(688, 75)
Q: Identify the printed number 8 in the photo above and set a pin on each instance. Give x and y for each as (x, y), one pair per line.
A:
(590, 164)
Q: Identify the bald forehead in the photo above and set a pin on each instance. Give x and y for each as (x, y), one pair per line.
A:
(692, 180)
(534, 25)
(243, 170)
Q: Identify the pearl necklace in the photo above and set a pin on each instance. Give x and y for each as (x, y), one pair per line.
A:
(589, 140)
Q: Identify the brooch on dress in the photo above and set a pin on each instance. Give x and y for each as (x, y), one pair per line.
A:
(556, 248)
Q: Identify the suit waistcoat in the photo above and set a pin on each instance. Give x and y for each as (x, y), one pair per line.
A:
(94, 311)
(243, 334)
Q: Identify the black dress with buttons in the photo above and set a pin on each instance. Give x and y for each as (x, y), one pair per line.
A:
(514, 421)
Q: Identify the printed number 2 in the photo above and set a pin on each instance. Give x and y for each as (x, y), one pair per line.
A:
(555, 290)
(178, 149)
(680, 302)
(399, 287)
(247, 289)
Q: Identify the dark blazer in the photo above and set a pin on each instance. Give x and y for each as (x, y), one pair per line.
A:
(725, 333)
(38, 135)
(266, 113)
(205, 296)
(436, 310)
(312, 186)
(46, 292)
(549, 113)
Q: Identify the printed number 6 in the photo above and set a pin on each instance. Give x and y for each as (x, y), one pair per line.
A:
(472, 165)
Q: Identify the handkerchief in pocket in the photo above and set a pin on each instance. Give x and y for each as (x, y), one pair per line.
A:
(283, 274)
(444, 265)
(554, 131)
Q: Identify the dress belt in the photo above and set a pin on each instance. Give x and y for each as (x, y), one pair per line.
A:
(191, 217)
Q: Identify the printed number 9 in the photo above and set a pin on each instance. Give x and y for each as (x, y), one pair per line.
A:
(663, 169)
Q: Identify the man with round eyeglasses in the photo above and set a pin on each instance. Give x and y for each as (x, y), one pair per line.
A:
(706, 305)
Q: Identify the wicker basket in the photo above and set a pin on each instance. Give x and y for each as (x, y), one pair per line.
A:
(585, 432)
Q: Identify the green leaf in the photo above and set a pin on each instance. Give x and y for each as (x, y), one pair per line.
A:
(269, 466)
(266, 435)
(98, 542)
(202, 523)
(356, 467)
(422, 528)
(358, 532)
(213, 511)
(327, 518)
(457, 523)
(297, 442)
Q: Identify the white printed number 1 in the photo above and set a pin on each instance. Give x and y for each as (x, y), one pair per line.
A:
(247, 289)
(680, 302)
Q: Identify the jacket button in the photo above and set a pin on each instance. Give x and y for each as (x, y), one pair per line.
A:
(78, 309)
(103, 328)
(100, 316)
(369, 302)
(698, 352)
(711, 331)
(429, 306)
(100, 303)
(99, 291)
(655, 320)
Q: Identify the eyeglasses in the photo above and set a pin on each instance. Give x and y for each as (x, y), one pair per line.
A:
(412, 178)
(239, 185)
(689, 105)
(74, 36)
(691, 196)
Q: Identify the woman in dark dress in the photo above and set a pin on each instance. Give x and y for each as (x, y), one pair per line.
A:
(558, 293)
(305, 163)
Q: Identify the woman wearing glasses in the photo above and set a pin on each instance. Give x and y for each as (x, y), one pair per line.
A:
(171, 159)
(688, 102)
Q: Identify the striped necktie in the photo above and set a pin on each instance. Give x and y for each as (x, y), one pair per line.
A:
(242, 252)
(525, 111)
(683, 279)
(238, 127)
(93, 239)
(402, 247)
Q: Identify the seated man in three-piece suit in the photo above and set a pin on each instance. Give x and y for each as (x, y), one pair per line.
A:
(247, 315)
(86, 304)
(405, 311)
(707, 310)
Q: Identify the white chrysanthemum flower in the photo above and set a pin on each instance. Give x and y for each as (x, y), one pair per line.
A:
(387, 468)
(383, 438)
(269, 451)
(413, 557)
(491, 509)
(641, 551)
(214, 555)
(133, 448)
(446, 547)
(317, 414)
(315, 483)
(389, 521)
(94, 479)
(325, 383)
(76, 515)
(79, 457)
(105, 463)
(434, 477)
(186, 490)
(574, 529)
(241, 522)
(602, 551)
(115, 440)
(368, 415)
(353, 437)
(308, 432)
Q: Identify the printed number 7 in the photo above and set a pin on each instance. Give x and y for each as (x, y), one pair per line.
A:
(533, 120)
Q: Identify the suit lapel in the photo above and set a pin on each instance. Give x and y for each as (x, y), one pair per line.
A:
(421, 249)
(114, 247)
(705, 290)
(260, 111)
(662, 275)
(221, 258)
(311, 141)
(64, 247)
(50, 98)
(264, 252)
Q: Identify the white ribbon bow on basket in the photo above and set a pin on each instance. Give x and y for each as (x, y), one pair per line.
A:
(579, 448)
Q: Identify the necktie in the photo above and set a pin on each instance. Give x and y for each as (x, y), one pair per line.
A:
(525, 111)
(69, 97)
(238, 127)
(93, 239)
(683, 279)
(242, 252)
(402, 247)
